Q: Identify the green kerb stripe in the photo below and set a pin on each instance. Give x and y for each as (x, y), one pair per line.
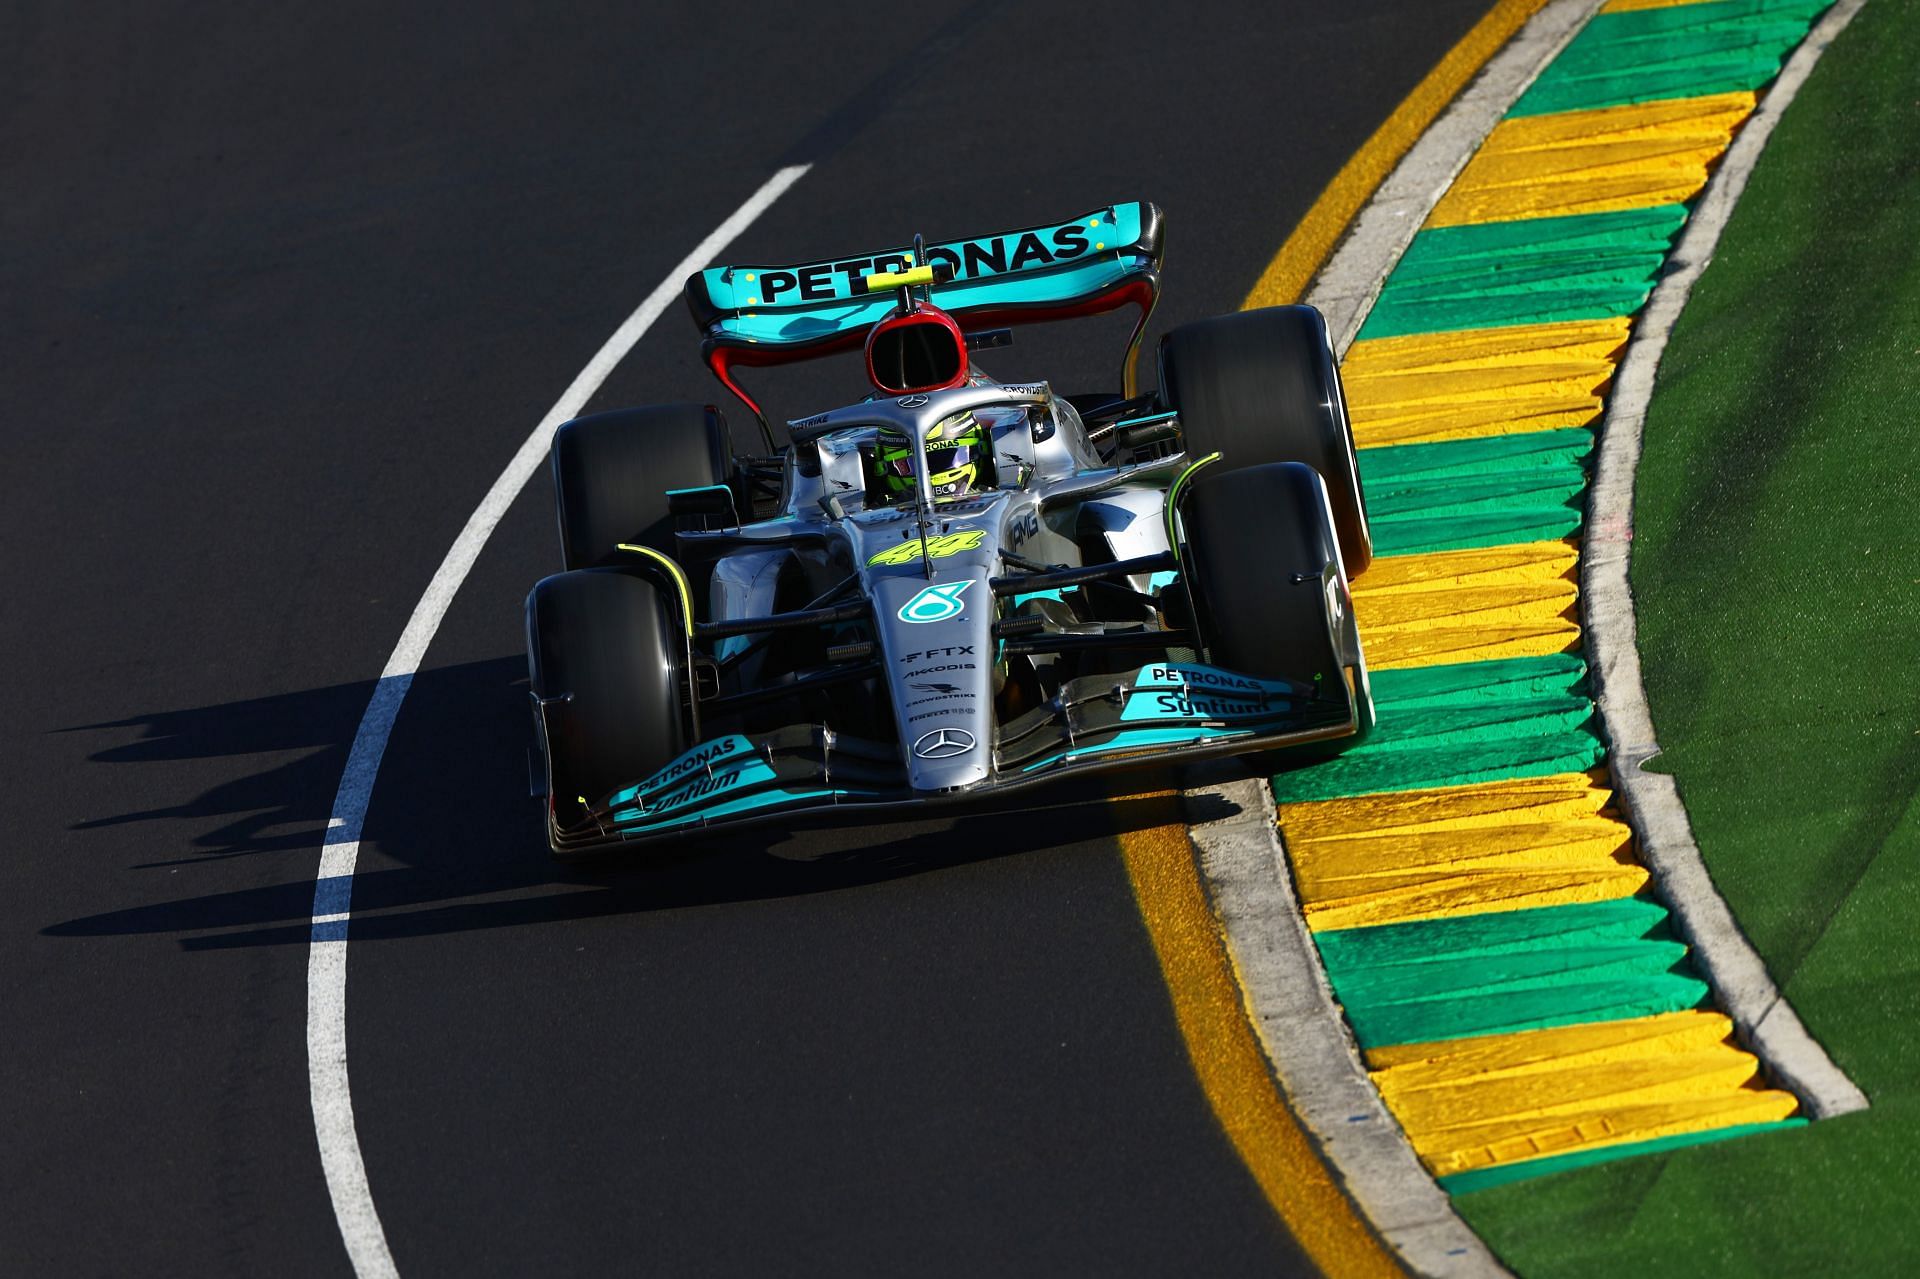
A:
(1471, 722)
(1495, 491)
(1505, 1174)
(1592, 266)
(1500, 972)
(1509, 971)
(1687, 51)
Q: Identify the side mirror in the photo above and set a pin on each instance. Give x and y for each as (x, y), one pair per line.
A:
(707, 502)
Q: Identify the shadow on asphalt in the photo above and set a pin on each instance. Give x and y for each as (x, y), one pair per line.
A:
(454, 843)
(282, 806)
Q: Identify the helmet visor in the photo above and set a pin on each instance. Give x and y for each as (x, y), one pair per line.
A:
(941, 458)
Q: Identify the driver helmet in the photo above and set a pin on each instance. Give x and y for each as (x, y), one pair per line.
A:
(957, 451)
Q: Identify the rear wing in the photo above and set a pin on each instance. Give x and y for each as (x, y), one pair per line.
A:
(766, 315)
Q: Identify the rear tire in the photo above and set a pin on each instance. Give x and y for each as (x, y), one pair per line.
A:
(611, 473)
(609, 643)
(1262, 386)
(1260, 542)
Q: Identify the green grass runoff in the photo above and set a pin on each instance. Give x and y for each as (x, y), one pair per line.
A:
(1777, 578)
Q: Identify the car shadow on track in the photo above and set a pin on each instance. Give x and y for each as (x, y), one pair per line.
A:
(282, 805)
(454, 843)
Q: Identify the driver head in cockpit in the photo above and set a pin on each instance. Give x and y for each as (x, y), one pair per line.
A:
(957, 460)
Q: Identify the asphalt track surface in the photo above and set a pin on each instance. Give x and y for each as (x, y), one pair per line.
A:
(281, 290)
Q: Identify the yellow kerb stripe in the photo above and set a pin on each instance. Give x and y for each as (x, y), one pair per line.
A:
(1231, 1066)
(1454, 386)
(1469, 606)
(1627, 6)
(1292, 269)
(1629, 157)
(1494, 1099)
(1459, 850)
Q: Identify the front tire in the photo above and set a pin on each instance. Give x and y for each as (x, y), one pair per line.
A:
(611, 473)
(1266, 581)
(1262, 386)
(604, 654)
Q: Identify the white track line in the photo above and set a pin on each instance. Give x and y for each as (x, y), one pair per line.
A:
(327, 1083)
(1765, 1021)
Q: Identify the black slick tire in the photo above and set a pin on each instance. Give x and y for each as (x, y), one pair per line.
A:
(604, 654)
(611, 473)
(1265, 578)
(1262, 386)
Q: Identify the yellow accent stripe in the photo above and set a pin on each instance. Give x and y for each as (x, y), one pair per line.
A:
(679, 579)
(1469, 606)
(1231, 1066)
(1454, 386)
(1459, 850)
(1629, 157)
(1468, 1103)
(915, 276)
(1627, 6)
(1171, 507)
(1292, 269)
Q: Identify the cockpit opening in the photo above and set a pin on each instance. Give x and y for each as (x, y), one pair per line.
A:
(959, 462)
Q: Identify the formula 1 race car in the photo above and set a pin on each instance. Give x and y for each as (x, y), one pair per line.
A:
(955, 586)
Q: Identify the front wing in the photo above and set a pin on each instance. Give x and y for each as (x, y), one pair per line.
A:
(1164, 711)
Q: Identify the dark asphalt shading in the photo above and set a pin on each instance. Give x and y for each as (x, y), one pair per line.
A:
(886, 87)
(1774, 574)
(421, 897)
(279, 809)
(397, 904)
(417, 898)
(285, 289)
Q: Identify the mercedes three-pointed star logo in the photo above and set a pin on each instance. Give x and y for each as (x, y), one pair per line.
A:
(943, 743)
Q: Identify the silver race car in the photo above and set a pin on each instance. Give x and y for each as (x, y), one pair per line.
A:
(955, 586)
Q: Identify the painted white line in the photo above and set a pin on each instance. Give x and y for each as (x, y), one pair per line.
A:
(1242, 861)
(1765, 1021)
(327, 1081)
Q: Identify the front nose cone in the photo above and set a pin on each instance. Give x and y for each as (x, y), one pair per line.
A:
(938, 639)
